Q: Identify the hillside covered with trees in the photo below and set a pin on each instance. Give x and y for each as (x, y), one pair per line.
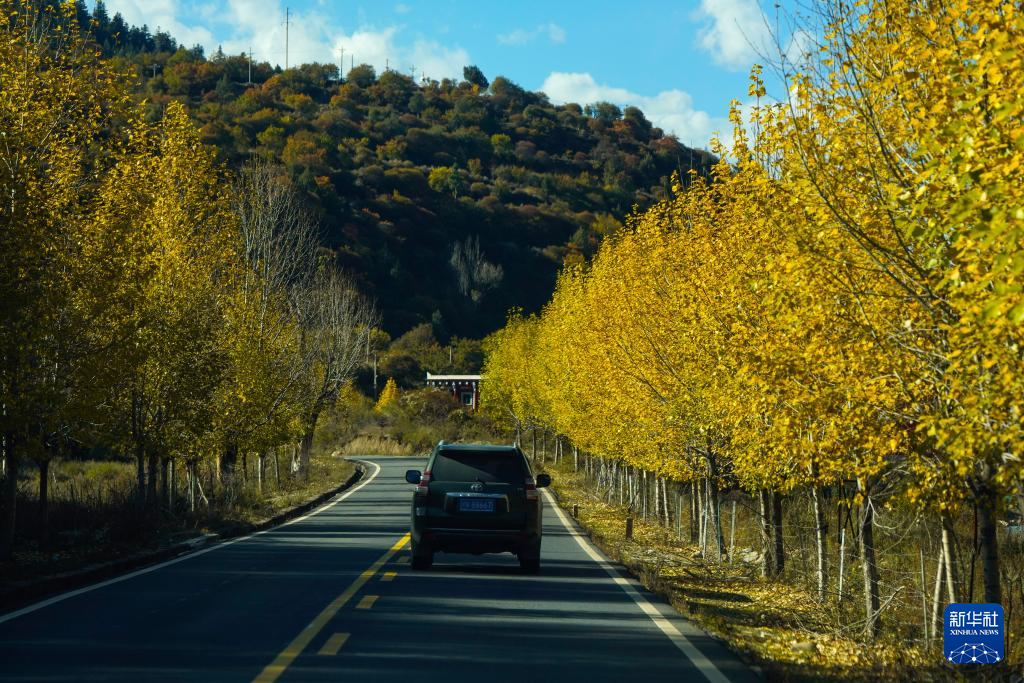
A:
(199, 264)
(449, 202)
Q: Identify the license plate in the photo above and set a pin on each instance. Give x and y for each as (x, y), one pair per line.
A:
(476, 505)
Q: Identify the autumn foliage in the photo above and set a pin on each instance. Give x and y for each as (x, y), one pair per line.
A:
(148, 308)
(837, 309)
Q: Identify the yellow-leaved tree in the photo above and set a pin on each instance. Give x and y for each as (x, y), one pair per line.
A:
(387, 396)
(64, 121)
(170, 196)
(838, 307)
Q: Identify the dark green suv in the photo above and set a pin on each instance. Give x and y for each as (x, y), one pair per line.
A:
(476, 498)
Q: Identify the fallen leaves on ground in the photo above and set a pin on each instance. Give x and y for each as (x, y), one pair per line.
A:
(775, 626)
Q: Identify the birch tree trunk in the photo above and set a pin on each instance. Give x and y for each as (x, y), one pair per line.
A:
(192, 487)
(779, 556)
(694, 523)
(277, 466)
(664, 501)
(699, 488)
(767, 547)
(869, 566)
(714, 505)
(821, 538)
(261, 460)
(306, 445)
(940, 574)
(949, 558)
(657, 500)
(989, 542)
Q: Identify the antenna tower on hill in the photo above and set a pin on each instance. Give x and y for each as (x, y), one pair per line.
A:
(287, 24)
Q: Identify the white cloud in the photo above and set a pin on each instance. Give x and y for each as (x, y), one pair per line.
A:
(556, 34)
(802, 45)
(436, 60)
(553, 32)
(381, 49)
(369, 47)
(671, 110)
(162, 15)
(517, 37)
(734, 33)
(402, 8)
(259, 25)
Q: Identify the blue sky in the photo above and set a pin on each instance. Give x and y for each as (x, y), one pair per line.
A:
(681, 62)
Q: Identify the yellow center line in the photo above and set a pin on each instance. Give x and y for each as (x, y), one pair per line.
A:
(295, 648)
(367, 601)
(388, 576)
(333, 644)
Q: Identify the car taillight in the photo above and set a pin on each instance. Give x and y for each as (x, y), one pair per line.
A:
(531, 489)
(424, 485)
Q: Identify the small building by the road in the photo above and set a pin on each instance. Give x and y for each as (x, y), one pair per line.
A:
(466, 388)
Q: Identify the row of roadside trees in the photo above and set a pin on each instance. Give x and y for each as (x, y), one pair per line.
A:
(836, 311)
(150, 304)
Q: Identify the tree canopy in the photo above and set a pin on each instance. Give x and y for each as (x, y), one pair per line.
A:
(840, 306)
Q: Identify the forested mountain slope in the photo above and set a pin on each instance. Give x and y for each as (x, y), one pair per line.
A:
(450, 202)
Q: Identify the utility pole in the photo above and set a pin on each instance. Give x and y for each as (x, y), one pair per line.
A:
(341, 64)
(250, 66)
(375, 377)
(154, 66)
(287, 23)
(387, 65)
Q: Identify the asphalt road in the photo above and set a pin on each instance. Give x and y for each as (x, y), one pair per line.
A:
(331, 597)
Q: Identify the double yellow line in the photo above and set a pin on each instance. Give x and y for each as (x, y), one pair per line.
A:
(273, 670)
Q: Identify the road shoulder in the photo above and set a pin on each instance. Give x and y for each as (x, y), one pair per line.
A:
(19, 594)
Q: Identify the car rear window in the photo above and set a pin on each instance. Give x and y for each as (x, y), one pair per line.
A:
(504, 467)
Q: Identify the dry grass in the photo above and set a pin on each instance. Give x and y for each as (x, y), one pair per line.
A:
(326, 471)
(93, 517)
(774, 625)
(376, 445)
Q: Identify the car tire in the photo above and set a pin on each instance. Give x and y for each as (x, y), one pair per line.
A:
(529, 565)
(421, 560)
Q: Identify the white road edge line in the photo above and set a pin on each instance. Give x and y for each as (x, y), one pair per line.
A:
(703, 664)
(188, 556)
